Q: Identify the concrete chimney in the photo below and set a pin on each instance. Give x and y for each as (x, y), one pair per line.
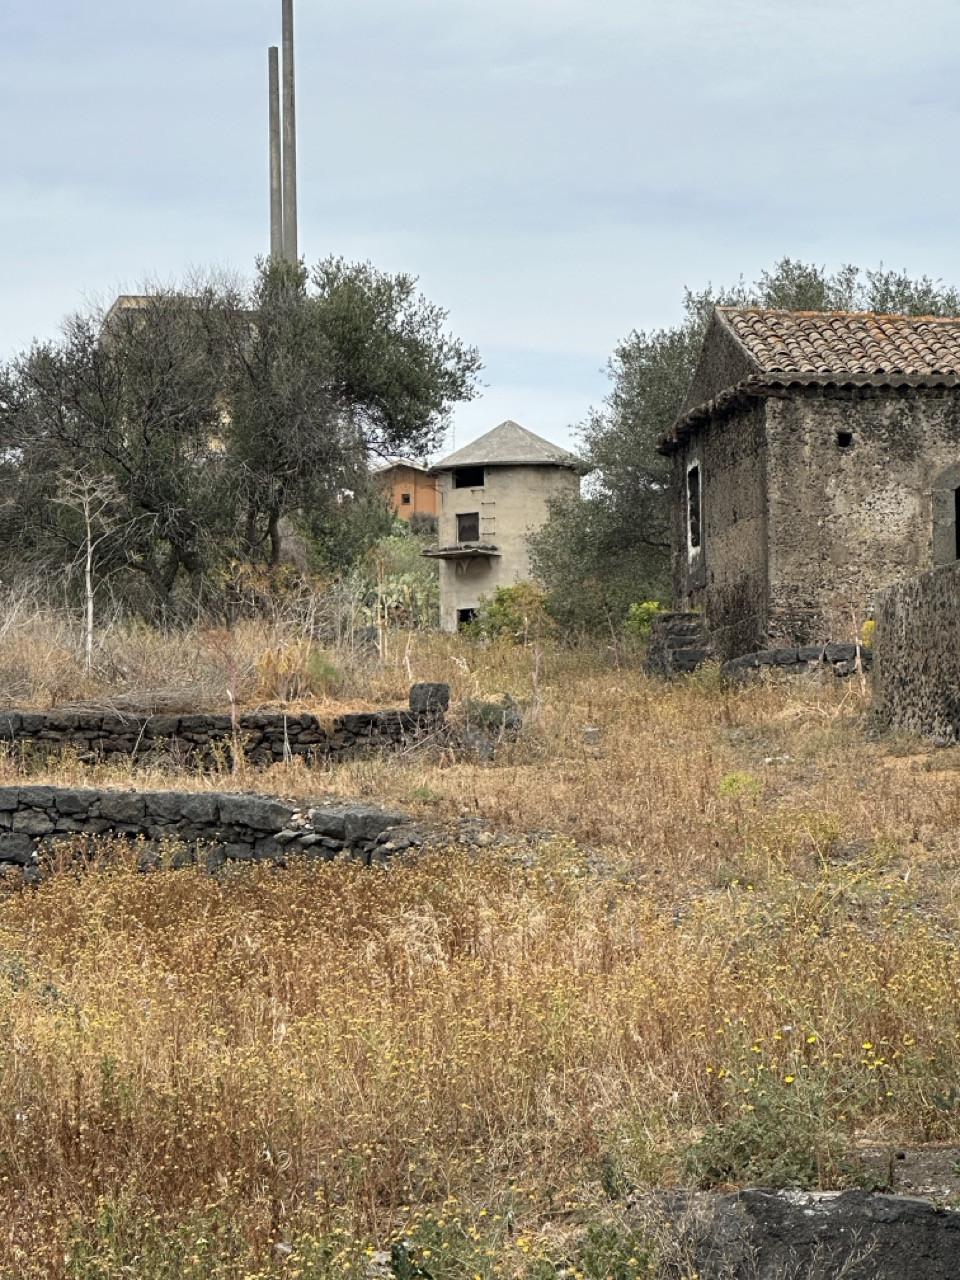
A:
(276, 166)
(290, 250)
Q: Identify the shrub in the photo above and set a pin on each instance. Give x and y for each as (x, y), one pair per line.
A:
(293, 671)
(640, 618)
(779, 1132)
(517, 613)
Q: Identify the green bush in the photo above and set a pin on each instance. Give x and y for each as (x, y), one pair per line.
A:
(517, 613)
(640, 618)
(786, 1132)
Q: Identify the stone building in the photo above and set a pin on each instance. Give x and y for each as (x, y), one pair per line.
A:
(410, 488)
(816, 461)
(493, 494)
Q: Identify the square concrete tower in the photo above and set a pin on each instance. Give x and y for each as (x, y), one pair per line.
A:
(493, 494)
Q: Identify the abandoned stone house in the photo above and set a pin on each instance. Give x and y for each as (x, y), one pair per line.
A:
(493, 494)
(816, 461)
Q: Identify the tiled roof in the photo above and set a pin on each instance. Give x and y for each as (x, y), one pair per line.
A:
(837, 343)
(390, 464)
(509, 444)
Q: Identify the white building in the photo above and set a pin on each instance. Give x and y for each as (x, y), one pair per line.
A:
(493, 494)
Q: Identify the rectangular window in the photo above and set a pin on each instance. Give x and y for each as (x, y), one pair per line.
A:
(468, 526)
(468, 478)
(465, 617)
(693, 508)
(405, 499)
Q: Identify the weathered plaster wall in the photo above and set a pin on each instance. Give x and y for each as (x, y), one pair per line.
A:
(513, 503)
(727, 580)
(916, 679)
(722, 364)
(265, 738)
(846, 522)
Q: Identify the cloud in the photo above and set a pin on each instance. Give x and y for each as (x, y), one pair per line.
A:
(554, 170)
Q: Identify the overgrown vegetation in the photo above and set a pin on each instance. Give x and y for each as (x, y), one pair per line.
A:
(735, 958)
(599, 555)
(219, 430)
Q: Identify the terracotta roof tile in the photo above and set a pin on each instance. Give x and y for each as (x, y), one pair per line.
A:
(857, 344)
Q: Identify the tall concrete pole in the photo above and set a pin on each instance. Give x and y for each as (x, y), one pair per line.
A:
(276, 166)
(290, 249)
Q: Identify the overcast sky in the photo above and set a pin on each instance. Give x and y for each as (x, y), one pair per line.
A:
(554, 171)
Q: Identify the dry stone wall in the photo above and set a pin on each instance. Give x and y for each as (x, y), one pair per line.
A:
(264, 737)
(917, 651)
(187, 826)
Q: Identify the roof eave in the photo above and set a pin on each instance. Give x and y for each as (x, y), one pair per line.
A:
(757, 388)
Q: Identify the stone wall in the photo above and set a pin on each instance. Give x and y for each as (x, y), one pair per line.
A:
(814, 499)
(848, 520)
(190, 825)
(678, 644)
(917, 652)
(727, 577)
(804, 659)
(264, 737)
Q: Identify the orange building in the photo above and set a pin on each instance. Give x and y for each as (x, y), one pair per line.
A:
(412, 489)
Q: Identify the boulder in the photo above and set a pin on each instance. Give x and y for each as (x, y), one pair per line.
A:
(768, 1235)
(429, 698)
(16, 847)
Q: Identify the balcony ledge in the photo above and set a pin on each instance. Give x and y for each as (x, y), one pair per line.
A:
(462, 551)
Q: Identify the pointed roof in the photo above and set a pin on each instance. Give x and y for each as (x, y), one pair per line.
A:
(854, 343)
(391, 464)
(510, 445)
(750, 352)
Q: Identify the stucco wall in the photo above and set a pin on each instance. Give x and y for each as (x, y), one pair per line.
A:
(727, 580)
(421, 487)
(846, 522)
(512, 503)
(917, 654)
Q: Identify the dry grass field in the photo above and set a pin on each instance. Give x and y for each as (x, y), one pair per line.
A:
(723, 948)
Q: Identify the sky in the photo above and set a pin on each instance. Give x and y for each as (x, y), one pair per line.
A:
(555, 172)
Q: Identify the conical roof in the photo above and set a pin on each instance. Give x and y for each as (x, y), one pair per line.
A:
(510, 445)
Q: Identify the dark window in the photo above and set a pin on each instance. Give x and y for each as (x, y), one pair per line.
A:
(693, 507)
(405, 499)
(844, 439)
(465, 617)
(468, 478)
(468, 527)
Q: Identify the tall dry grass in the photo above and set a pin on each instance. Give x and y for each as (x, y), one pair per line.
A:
(736, 958)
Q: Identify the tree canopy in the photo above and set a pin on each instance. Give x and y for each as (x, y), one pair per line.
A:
(226, 422)
(611, 548)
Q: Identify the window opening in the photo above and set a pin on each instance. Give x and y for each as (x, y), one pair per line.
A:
(465, 617)
(469, 478)
(693, 508)
(405, 499)
(468, 526)
(844, 439)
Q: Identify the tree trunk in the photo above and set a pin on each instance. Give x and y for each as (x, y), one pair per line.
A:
(276, 539)
(88, 589)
